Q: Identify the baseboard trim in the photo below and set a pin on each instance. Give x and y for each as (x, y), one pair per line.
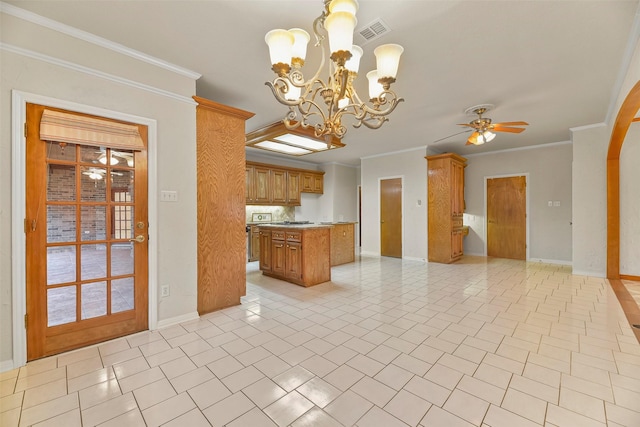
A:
(629, 277)
(177, 319)
(411, 258)
(6, 365)
(551, 261)
(588, 273)
(368, 253)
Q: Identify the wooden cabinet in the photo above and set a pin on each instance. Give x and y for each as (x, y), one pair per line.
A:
(257, 185)
(279, 186)
(445, 206)
(254, 236)
(300, 256)
(221, 244)
(342, 243)
(293, 188)
(279, 191)
(312, 182)
(265, 250)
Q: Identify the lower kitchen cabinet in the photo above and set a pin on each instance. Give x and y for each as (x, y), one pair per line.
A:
(265, 250)
(254, 235)
(297, 255)
(342, 243)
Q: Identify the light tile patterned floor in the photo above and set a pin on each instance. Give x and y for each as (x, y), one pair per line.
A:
(386, 343)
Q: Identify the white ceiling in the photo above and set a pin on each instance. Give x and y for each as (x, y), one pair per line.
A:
(554, 64)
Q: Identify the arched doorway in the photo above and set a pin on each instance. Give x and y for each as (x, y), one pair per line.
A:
(626, 115)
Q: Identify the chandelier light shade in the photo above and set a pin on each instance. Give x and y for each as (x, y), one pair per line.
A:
(321, 103)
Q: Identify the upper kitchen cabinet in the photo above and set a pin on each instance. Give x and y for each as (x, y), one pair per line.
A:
(221, 212)
(313, 182)
(279, 186)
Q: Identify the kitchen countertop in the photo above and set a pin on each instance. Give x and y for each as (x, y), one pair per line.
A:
(296, 226)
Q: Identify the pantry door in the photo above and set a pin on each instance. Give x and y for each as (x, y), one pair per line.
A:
(86, 231)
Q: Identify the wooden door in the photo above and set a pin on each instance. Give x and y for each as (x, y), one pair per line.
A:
(506, 217)
(86, 242)
(391, 217)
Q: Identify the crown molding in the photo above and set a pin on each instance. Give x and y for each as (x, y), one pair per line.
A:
(93, 39)
(389, 153)
(528, 147)
(90, 71)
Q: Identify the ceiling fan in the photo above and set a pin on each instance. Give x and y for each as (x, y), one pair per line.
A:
(483, 129)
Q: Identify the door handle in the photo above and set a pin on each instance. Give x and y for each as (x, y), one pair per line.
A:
(138, 239)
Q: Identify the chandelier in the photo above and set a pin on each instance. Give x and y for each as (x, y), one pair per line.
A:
(322, 103)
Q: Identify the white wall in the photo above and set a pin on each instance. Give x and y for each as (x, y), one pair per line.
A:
(630, 203)
(341, 185)
(113, 82)
(590, 147)
(549, 179)
(412, 167)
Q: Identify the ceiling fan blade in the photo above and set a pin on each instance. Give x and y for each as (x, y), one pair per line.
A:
(512, 124)
(498, 128)
(450, 136)
(472, 139)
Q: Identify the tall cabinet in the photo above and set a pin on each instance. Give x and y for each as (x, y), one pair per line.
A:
(445, 206)
(221, 204)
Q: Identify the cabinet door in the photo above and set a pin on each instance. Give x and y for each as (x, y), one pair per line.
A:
(262, 181)
(294, 260)
(318, 184)
(456, 243)
(279, 186)
(293, 188)
(250, 189)
(457, 188)
(255, 244)
(278, 257)
(265, 251)
(308, 182)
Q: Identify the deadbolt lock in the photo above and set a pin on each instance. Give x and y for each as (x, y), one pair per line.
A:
(140, 225)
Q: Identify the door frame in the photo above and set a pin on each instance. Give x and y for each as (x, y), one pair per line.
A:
(19, 99)
(484, 225)
(380, 179)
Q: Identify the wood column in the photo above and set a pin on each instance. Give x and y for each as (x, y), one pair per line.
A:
(221, 204)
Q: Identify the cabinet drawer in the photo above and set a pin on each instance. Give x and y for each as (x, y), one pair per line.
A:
(293, 236)
(277, 235)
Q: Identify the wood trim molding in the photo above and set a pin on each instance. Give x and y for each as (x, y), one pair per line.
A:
(629, 277)
(628, 304)
(626, 115)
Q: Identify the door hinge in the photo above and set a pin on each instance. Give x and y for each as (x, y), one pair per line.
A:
(25, 320)
(26, 225)
(25, 129)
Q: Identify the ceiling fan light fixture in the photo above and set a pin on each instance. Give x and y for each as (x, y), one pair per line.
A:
(112, 160)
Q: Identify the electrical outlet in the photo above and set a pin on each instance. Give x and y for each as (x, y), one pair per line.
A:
(164, 291)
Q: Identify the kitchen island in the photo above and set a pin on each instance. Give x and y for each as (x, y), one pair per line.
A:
(297, 253)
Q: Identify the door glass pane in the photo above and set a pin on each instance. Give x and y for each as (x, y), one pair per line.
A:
(121, 259)
(122, 185)
(61, 264)
(94, 222)
(122, 295)
(61, 183)
(93, 261)
(61, 305)
(94, 299)
(122, 220)
(61, 224)
(93, 187)
(124, 157)
(61, 151)
(89, 154)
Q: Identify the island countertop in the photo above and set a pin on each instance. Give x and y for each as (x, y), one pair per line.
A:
(295, 226)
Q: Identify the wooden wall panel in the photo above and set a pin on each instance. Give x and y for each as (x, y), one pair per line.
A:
(221, 205)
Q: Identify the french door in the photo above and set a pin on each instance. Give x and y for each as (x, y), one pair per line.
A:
(86, 240)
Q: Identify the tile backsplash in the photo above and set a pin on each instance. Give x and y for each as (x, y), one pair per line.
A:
(278, 213)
